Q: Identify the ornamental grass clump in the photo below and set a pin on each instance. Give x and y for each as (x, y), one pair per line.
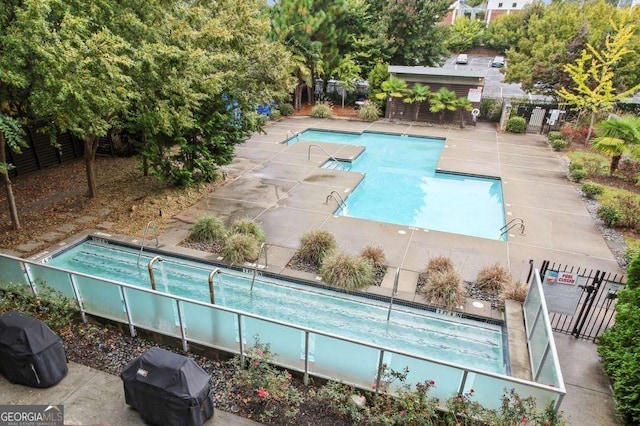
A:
(369, 112)
(315, 245)
(439, 264)
(207, 228)
(248, 226)
(375, 255)
(239, 248)
(493, 278)
(347, 272)
(444, 289)
(322, 110)
(515, 291)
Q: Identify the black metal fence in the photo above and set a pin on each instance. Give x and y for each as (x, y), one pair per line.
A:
(596, 308)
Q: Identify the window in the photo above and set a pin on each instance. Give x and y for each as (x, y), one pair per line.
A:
(514, 5)
(499, 4)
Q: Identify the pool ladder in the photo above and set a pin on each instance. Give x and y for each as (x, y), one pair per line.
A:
(293, 135)
(325, 151)
(212, 294)
(144, 237)
(516, 221)
(263, 248)
(337, 198)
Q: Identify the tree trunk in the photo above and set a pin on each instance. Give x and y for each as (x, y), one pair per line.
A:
(417, 110)
(461, 118)
(593, 116)
(615, 160)
(145, 161)
(90, 148)
(13, 210)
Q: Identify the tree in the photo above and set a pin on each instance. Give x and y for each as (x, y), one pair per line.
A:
(463, 104)
(417, 94)
(392, 88)
(593, 76)
(347, 72)
(618, 136)
(505, 32)
(464, 33)
(443, 100)
(379, 74)
(11, 135)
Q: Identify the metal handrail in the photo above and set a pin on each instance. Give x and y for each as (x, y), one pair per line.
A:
(515, 219)
(212, 295)
(263, 248)
(152, 278)
(341, 203)
(144, 237)
(293, 134)
(513, 225)
(325, 151)
(559, 390)
(394, 292)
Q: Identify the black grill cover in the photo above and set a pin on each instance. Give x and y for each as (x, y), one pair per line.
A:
(168, 389)
(30, 353)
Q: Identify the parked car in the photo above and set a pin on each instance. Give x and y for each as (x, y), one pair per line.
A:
(462, 59)
(498, 62)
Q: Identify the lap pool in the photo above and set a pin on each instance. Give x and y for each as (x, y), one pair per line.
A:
(402, 186)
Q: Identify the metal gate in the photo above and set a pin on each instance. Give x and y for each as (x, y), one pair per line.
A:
(596, 308)
(536, 120)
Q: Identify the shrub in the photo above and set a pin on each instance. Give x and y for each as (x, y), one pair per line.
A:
(286, 109)
(578, 175)
(515, 291)
(322, 110)
(315, 245)
(553, 135)
(490, 109)
(632, 251)
(516, 125)
(347, 272)
(576, 165)
(439, 264)
(369, 112)
(375, 255)
(629, 208)
(592, 190)
(444, 289)
(629, 170)
(619, 347)
(274, 114)
(239, 248)
(262, 387)
(206, 229)
(50, 306)
(493, 278)
(609, 215)
(248, 226)
(572, 135)
(559, 144)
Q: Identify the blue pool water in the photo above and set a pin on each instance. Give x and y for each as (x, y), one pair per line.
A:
(401, 186)
(462, 341)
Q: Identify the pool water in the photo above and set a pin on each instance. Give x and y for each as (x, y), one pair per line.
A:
(402, 186)
(463, 341)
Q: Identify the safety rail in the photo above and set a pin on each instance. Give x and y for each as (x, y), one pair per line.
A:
(228, 329)
(293, 135)
(325, 151)
(144, 237)
(341, 203)
(516, 221)
(263, 248)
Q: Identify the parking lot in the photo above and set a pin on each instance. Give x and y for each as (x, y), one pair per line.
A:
(493, 86)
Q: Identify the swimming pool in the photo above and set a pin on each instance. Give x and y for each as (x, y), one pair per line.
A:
(402, 186)
(462, 341)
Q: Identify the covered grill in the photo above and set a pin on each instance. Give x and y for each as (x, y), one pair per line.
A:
(167, 388)
(30, 353)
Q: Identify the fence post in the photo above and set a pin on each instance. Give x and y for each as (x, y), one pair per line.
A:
(240, 340)
(132, 329)
(25, 268)
(78, 299)
(183, 332)
(380, 371)
(306, 358)
(592, 291)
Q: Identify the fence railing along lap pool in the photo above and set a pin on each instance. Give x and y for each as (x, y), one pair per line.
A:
(297, 347)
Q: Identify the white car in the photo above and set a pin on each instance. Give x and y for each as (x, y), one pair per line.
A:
(462, 59)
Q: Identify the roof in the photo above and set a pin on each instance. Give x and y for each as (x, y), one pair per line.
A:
(434, 71)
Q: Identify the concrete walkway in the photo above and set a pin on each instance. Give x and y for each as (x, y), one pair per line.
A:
(92, 397)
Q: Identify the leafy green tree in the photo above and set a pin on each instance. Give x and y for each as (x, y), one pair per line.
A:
(464, 33)
(443, 100)
(390, 89)
(619, 347)
(418, 93)
(616, 137)
(505, 32)
(593, 74)
(347, 72)
(11, 136)
(377, 76)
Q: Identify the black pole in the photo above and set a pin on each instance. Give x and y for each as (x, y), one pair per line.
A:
(591, 290)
